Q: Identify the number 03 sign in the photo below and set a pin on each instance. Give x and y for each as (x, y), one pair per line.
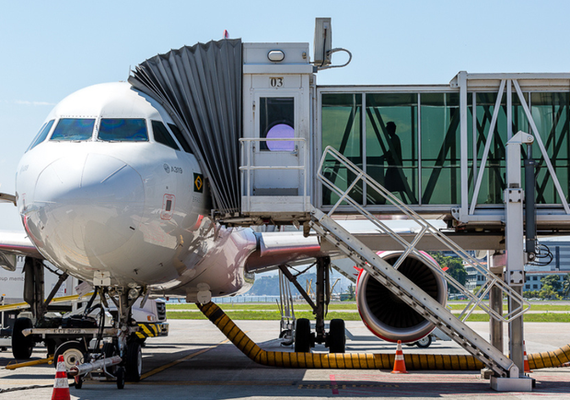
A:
(276, 82)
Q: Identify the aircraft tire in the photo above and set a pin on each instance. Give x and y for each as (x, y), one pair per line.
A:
(120, 378)
(337, 338)
(133, 362)
(303, 337)
(22, 346)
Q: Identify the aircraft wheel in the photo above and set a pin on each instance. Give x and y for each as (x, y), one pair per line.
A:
(133, 362)
(424, 342)
(303, 337)
(120, 378)
(73, 352)
(22, 346)
(337, 338)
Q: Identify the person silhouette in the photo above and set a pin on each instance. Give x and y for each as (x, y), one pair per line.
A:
(393, 179)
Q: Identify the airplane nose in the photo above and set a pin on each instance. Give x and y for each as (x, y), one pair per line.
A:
(88, 204)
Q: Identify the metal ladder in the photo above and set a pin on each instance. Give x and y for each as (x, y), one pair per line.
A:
(401, 286)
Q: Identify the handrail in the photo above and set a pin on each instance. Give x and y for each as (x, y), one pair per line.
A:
(248, 169)
(475, 300)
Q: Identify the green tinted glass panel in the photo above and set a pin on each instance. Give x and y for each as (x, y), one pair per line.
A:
(391, 145)
(550, 112)
(440, 148)
(341, 129)
(494, 174)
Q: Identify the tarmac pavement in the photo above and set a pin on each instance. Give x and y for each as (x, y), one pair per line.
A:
(195, 361)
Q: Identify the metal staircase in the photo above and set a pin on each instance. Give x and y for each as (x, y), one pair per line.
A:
(397, 283)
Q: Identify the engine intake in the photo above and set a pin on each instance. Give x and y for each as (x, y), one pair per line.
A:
(385, 314)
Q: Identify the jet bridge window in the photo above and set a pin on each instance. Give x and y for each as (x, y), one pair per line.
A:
(277, 121)
(123, 130)
(72, 129)
(161, 135)
(42, 134)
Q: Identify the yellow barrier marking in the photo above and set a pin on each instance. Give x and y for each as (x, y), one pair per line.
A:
(29, 363)
(19, 306)
(176, 362)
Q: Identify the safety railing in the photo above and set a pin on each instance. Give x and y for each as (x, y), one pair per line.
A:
(474, 299)
(250, 166)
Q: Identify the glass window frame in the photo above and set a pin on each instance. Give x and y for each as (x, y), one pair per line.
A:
(159, 125)
(65, 139)
(98, 133)
(42, 135)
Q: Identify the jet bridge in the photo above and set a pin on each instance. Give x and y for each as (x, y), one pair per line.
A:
(453, 152)
(449, 141)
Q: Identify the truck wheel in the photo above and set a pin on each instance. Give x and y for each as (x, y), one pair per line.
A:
(337, 338)
(73, 352)
(133, 362)
(22, 346)
(424, 342)
(78, 382)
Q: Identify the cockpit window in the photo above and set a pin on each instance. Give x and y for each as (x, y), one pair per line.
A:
(161, 135)
(181, 139)
(42, 134)
(73, 129)
(123, 130)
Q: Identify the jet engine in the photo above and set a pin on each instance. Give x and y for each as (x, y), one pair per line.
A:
(385, 314)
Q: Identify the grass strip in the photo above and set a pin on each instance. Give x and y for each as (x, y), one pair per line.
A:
(347, 316)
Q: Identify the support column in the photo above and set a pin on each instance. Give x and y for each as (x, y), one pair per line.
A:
(514, 275)
(497, 263)
(514, 236)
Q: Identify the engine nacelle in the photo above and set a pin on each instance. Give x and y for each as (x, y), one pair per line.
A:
(385, 314)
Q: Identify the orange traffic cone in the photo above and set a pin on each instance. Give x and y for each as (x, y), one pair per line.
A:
(525, 359)
(61, 386)
(399, 363)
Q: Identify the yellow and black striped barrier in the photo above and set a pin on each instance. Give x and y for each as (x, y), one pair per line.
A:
(549, 359)
(360, 360)
(152, 329)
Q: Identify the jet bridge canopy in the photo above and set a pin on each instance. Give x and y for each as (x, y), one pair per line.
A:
(200, 87)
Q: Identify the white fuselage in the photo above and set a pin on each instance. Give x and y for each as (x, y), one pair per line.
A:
(133, 210)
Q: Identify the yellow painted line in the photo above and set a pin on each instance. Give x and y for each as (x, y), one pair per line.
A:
(176, 362)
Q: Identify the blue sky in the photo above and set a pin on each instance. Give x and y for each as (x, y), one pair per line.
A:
(51, 49)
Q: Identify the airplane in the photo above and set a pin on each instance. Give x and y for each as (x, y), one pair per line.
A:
(110, 192)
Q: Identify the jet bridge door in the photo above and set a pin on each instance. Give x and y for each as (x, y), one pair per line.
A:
(275, 143)
(276, 117)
